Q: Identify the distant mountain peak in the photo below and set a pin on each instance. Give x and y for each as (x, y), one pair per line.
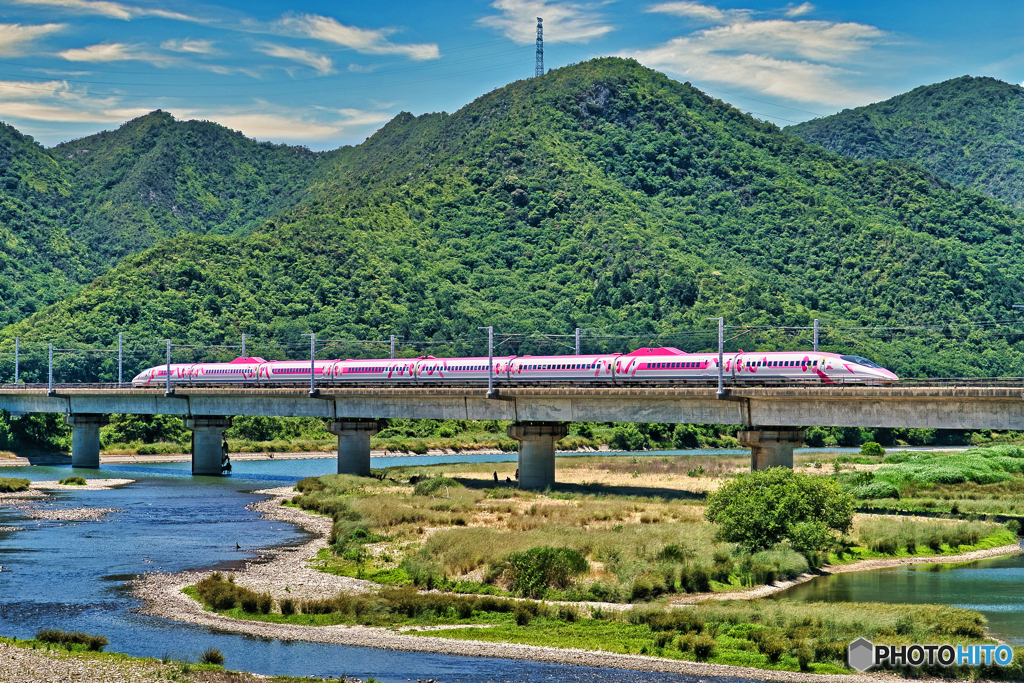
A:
(968, 131)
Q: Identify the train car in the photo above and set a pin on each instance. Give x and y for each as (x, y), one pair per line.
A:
(432, 370)
(562, 368)
(664, 364)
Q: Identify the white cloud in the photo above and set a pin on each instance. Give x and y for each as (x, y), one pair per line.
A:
(14, 37)
(56, 101)
(114, 52)
(800, 10)
(200, 47)
(321, 63)
(112, 10)
(802, 60)
(692, 10)
(366, 41)
(562, 20)
(275, 123)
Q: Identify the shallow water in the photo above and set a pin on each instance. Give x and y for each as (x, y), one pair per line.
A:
(72, 575)
(993, 587)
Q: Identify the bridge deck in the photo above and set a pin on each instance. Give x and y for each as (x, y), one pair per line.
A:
(945, 406)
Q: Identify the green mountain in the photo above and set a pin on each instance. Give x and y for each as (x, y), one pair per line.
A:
(40, 263)
(967, 131)
(155, 177)
(601, 195)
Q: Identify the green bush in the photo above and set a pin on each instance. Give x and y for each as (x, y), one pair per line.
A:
(533, 571)
(872, 448)
(8, 485)
(310, 485)
(885, 546)
(1014, 526)
(212, 655)
(429, 487)
(72, 481)
(58, 637)
(627, 437)
(704, 647)
(287, 606)
(773, 648)
(761, 509)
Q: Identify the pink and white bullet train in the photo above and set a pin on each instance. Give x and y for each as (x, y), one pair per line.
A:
(661, 365)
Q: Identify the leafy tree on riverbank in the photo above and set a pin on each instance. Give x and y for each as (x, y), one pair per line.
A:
(762, 509)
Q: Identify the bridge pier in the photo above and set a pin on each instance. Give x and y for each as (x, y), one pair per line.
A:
(354, 445)
(85, 438)
(771, 447)
(207, 436)
(536, 451)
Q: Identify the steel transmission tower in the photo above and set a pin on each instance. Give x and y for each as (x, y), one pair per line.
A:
(539, 70)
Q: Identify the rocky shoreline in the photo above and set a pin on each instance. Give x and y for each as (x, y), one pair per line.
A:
(285, 572)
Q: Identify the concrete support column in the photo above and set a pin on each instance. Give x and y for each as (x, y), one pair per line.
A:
(207, 437)
(536, 452)
(771, 447)
(85, 438)
(354, 445)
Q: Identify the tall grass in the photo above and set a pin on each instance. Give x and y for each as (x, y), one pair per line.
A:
(889, 534)
(9, 485)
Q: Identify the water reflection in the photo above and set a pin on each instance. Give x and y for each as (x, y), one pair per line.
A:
(993, 587)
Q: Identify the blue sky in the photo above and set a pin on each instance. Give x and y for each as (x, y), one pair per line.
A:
(324, 74)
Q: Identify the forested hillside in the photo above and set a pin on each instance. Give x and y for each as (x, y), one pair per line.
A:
(602, 195)
(155, 177)
(40, 263)
(968, 131)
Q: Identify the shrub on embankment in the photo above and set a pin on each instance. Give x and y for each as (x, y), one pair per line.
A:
(9, 485)
(219, 594)
(69, 639)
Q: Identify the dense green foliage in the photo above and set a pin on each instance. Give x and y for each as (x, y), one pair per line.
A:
(533, 571)
(910, 470)
(762, 509)
(967, 131)
(154, 178)
(40, 263)
(602, 195)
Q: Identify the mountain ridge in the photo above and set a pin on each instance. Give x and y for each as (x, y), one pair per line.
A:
(602, 195)
(967, 130)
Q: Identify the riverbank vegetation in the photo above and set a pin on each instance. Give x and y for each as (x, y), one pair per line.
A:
(764, 634)
(641, 536)
(974, 483)
(13, 485)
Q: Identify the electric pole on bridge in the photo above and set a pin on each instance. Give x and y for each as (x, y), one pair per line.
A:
(393, 338)
(577, 341)
(49, 390)
(721, 345)
(490, 360)
(120, 359)
(815, 335)
(15, 361)
(243, 346)
(312, 362)
(167, 391)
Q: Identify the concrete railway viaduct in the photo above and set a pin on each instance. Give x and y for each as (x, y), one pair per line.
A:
(771, 417)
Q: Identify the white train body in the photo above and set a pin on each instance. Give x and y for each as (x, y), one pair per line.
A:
(661, 365)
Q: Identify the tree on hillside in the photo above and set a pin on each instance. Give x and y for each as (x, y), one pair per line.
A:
(761, 509)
